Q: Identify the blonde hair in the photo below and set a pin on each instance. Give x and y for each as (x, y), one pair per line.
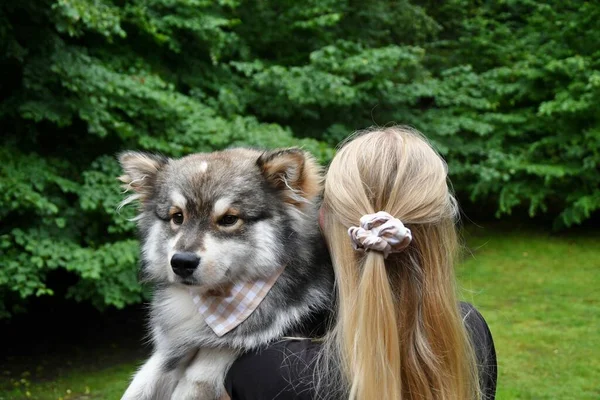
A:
(398, 333)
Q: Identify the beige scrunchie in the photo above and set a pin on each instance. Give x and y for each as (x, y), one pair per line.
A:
(381, 232)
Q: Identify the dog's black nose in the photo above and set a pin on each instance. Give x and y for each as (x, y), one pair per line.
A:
(184, 264)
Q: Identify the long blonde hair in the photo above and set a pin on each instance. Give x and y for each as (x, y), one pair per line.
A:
(398, 333)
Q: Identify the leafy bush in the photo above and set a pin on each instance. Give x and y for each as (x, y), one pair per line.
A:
(505, 90)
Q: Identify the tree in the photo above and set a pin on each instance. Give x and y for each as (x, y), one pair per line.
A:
(507, 91)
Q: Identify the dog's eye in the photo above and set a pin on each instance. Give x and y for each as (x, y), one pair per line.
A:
(228, 220)
(177, 218)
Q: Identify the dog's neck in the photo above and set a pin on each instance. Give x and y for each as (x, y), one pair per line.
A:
(225, 308)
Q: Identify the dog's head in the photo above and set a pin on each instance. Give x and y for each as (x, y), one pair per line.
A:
(211, 219)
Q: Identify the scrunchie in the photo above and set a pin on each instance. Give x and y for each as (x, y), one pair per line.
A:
(381, 232)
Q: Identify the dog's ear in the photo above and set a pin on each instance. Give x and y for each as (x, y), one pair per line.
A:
(140, 171)
(292, 171)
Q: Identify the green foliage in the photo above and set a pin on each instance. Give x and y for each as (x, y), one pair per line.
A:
(538, 66)
(507, 91)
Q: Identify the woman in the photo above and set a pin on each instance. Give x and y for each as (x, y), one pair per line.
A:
(389, 220)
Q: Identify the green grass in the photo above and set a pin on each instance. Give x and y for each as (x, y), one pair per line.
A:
(539, 293)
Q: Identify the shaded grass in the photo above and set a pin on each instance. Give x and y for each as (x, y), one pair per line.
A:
(539, 293)
(69, 351)
(75, 384)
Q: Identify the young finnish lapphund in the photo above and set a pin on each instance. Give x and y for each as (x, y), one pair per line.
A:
(207, 222)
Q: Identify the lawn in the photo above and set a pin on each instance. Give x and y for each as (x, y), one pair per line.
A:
(540, 296)
(538, 292)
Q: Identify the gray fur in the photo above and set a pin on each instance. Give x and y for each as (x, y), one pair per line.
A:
(275, 231)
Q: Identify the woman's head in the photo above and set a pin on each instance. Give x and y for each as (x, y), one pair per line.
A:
(399, 333)
(392, 169)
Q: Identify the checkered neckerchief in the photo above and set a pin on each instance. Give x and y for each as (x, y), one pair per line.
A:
(224, 313)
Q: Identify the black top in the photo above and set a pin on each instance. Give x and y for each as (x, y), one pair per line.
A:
(284, 370)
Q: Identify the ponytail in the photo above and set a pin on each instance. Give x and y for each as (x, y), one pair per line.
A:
(371, 338)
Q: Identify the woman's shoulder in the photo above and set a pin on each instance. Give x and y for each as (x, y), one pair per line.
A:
(473, 318)
(476, 325)
(283, 370)
(485, 351)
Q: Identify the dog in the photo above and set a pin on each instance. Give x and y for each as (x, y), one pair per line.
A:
(207, 222)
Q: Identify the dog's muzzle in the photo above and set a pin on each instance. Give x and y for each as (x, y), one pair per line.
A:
(184, 264)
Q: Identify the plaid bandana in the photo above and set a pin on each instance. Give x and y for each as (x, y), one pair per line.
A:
(224, 313)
